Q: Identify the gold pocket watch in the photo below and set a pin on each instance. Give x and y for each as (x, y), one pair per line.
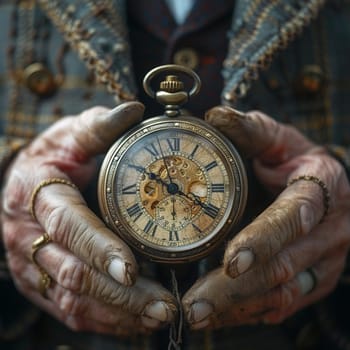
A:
(173, 187)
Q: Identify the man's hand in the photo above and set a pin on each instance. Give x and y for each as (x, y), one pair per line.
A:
(95, 285)
(265, 274)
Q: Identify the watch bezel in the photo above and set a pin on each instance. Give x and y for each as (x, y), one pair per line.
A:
(234, 211)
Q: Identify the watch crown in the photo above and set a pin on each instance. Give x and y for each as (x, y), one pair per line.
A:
(171, 84)
(171, 93)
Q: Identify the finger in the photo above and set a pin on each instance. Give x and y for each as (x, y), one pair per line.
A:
(272, 288)
(287, 264)
(93, 131)
(82, 324)
(145, 297)
(204, 309)
(80, 231)
(83, 307)
(327, 272)
(257, 135)
(149, 300)
(297, 210)
(81, 313)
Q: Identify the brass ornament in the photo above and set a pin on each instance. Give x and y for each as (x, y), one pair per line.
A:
(173, 187)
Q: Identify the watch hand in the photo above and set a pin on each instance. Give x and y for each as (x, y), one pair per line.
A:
(151, 176)
(194, 198)
(164, 161)
(173, 212)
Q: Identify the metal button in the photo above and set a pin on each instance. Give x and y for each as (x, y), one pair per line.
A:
(273, 83)
(39, 79)
(187, 57)
(311, 80)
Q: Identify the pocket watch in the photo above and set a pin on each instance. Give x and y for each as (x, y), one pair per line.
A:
(173, 187)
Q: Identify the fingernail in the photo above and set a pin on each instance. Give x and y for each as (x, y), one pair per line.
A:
(306, 218)
(158, 310)
(199, 314)
(241, 262)
(306, 282)
(219, 120)
(200, 325)
(150, 322)
(223, 116)
(125, 106)
(117, 269)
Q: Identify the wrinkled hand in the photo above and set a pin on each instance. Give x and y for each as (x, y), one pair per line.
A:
(95, 285)
(263, 278)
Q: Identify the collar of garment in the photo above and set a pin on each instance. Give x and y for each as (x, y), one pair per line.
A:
(98, 32)
(180, 10)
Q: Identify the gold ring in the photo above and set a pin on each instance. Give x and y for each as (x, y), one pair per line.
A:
(319, 182)
(43, 184)
(44, 282)
(45, 279)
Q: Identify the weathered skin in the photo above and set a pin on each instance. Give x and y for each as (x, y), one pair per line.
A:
(259, 278)
(88, 292)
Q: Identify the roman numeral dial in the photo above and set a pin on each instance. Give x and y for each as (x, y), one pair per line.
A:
(172, 190)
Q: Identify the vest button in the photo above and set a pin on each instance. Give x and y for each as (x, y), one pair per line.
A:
(311, 80)
(187, 57)
(39, 79)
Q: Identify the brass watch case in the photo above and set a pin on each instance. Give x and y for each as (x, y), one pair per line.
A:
(233, 190)
(116, 219)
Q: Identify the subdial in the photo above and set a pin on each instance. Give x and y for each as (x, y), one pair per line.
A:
(173, 213)
(170, 176)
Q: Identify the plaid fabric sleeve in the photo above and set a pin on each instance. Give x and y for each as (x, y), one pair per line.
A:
(8, 150)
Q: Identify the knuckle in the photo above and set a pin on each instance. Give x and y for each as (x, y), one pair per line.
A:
(57, 224)
(71, 304)
(280, 270)
(14, 197)
(76, 276)
(119, 296)
(10, 236)
(279, 222)
(283, 297)
(71, 274)
(280, 300)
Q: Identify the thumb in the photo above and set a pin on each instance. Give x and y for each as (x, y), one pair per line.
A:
(96, 129)
(98, 132)
(257, 135)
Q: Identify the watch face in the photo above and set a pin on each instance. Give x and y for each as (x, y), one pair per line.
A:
(172, 189)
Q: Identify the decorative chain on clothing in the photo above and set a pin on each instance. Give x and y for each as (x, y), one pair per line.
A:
(101, 44)
(253, 43)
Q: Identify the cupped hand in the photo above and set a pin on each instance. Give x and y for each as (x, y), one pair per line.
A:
(94, 274)
(293, 253)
